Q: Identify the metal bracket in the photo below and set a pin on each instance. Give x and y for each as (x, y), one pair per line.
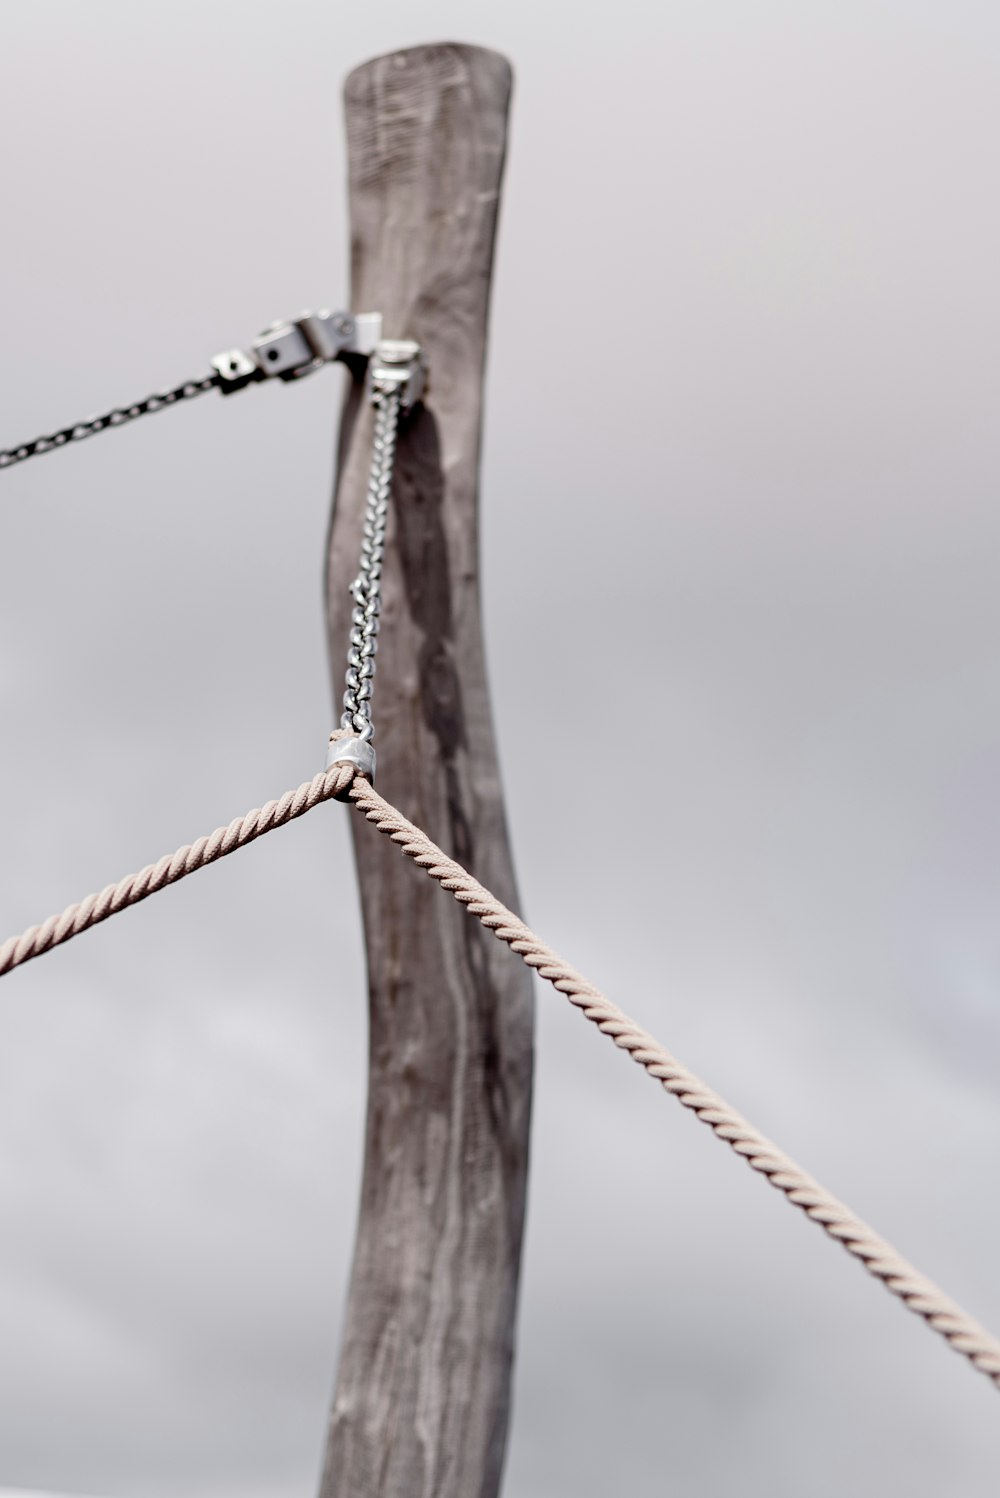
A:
(289, 350)
(398, 364)
(352, 751)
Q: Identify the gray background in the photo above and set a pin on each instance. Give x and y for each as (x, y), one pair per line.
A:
(741, 587)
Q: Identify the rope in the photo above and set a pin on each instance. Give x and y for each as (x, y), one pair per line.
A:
(156, 876)
(915, 1290)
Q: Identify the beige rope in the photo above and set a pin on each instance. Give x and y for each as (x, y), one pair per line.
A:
(155, 876)
(917, 1292)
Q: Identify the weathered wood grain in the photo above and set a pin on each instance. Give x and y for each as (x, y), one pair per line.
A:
(422, 1397)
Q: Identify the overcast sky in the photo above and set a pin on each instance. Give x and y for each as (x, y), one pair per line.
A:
(740, 518)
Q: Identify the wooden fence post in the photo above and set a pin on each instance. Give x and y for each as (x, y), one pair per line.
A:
(423, 1390)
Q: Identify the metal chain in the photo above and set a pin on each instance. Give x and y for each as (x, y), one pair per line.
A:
(366, 588)
(113, 418)
(286, 351)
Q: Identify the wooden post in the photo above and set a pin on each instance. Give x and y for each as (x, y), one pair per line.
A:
(423, 1390)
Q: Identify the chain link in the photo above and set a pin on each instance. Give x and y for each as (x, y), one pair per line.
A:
(366, 588)
(116, 417)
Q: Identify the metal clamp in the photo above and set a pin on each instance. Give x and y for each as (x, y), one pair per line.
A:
(289, 350)
(397, 364)
(352, 751)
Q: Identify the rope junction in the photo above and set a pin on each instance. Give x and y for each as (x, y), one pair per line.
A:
(343, 781)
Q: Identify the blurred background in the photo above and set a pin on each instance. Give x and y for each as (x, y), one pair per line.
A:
(739, 517)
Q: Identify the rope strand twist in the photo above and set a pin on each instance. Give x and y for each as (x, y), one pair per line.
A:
(78, 918)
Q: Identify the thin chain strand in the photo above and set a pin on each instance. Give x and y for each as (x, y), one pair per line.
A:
(366, 588)
(116, 417)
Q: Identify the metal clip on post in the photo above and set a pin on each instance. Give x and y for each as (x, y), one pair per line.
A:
(397, 367)
(396, 380)
(289, 350)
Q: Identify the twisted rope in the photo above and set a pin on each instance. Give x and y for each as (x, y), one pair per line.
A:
(156, 876)
(915, 1290)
